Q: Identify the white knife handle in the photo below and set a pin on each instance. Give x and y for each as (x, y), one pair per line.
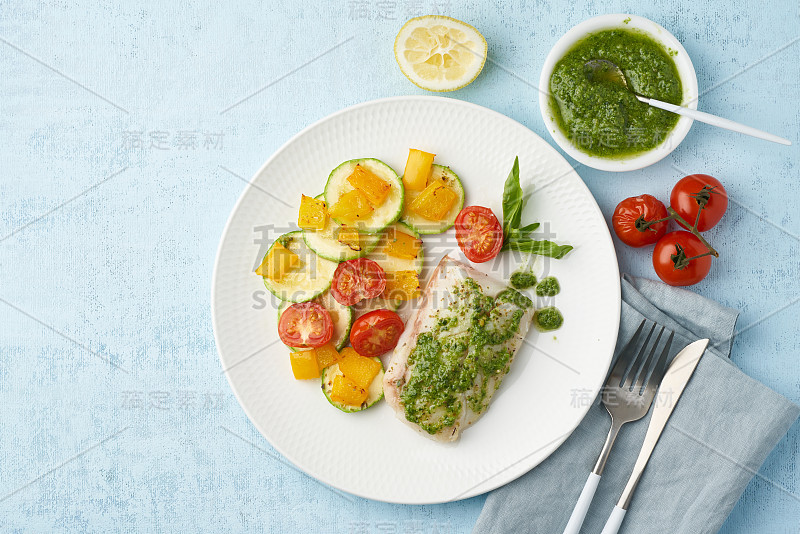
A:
(713, 120)
(579, 513)
(615, 521)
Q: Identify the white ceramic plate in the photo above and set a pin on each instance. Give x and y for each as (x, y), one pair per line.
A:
(549, 388)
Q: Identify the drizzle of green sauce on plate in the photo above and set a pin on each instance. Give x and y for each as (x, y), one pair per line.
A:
(547, 319)
(548, 287)
(523, 280)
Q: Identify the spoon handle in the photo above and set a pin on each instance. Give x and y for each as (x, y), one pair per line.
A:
(715, 121)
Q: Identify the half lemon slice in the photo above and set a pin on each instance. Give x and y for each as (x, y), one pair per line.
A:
(439, 53)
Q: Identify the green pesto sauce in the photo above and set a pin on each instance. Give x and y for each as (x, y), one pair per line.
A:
(451, 360)
(603, 118)
(523, 280)
(548, 287)
(547, 319)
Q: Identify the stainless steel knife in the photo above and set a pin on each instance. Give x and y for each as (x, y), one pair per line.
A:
(677, 376)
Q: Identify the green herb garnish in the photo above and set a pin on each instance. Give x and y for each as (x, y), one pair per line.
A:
(513, 201)
(516, 237)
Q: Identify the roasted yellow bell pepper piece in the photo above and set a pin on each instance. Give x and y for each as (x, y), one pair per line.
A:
(351, 207)
(434, 202)
(278, 261)
(347, 392)
(349, 236)
(418, 169)
(402, 285)
(402, 245)
(304, 364)
(376, 189)
(327, 355)
(359, 369)
(313, 215)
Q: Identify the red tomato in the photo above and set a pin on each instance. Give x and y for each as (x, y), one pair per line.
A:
(376, 332)
(695, 190)
(671, 253)
(305, 324)
(632, 213)
(479, 233)
(356, 280)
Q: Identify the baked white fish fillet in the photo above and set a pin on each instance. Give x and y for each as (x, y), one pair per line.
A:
(455, 350)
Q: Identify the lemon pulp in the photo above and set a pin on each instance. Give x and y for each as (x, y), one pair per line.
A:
(440, 53)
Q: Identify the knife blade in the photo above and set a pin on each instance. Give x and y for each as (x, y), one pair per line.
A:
(677, 376)
(675, 379)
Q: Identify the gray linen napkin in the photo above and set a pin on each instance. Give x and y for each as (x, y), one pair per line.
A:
(721, 431)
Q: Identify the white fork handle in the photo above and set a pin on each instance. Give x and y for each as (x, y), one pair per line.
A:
(579, 513)
(713, 120)
(614, 522)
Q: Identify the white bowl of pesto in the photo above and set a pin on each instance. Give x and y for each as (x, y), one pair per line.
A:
(602, 125)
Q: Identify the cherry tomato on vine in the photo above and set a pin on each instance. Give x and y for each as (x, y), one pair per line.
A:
(356, 280)
(694, 191)
(671, 259)
(479, 233)
(306, 324)
(631, 217)
(376, 332)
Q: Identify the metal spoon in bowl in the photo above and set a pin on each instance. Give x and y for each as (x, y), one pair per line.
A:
(600, 70)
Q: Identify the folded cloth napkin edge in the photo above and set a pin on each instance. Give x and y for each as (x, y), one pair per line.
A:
(648, 298)
(534, 502)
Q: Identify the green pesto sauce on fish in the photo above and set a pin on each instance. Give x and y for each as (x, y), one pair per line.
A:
(460, 362)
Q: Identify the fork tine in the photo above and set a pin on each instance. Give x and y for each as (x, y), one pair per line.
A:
(626, 354)
(637, 363)
(637, 360)
(644, 370)
(661, 365)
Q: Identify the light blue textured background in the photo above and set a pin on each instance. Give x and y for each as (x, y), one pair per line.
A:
(114, 414)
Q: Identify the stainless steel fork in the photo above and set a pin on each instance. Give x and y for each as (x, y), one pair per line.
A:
(627, 396)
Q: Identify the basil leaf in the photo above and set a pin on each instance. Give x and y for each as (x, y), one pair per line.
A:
(516, 238)
(542, 248)
(512, 200)
(528, 228)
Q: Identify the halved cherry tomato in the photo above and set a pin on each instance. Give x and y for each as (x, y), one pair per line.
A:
(376, 332)
(479, 233)
(671, 253)
(305, 324)
(697, 190)
(631, 214)
(356, 280)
